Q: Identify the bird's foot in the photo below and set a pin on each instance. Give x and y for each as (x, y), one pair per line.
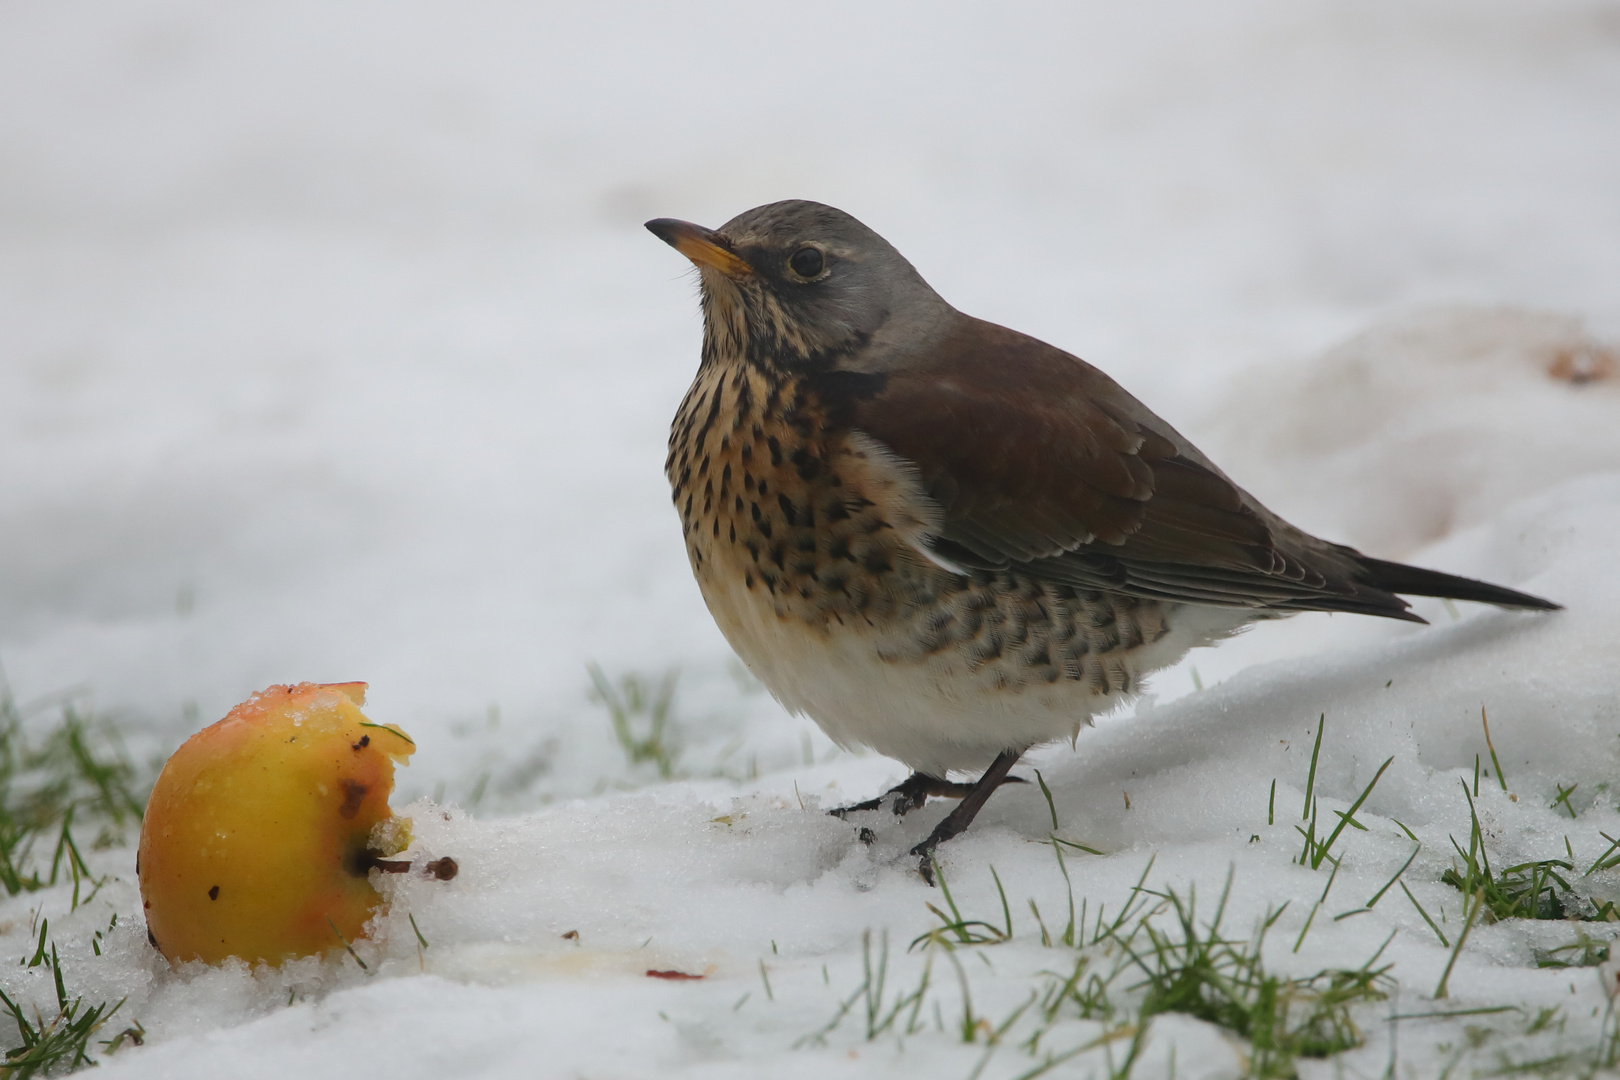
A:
(973, 800)
(911, 793)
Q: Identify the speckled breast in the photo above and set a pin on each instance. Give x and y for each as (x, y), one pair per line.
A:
(773, 501)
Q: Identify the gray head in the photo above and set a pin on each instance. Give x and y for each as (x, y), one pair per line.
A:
(799, 284)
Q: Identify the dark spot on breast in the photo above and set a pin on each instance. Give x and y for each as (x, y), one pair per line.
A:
(986, 648)
(748, 581)
(877, 562)
(936, 633)
(213, 893)
(807, 463)
(365, 741)
(776, 450)
(354, 793)
(708, 421)
(788, 510)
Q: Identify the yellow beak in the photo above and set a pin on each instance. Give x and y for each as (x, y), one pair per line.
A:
(705, 247)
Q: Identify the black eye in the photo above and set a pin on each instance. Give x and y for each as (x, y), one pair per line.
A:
(806, 262)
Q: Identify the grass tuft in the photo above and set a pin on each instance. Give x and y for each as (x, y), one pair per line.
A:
(62, 1042)
(1201, 972)
(77, 775)
(78, 772)
(1529, 890)
(1152, 957)
(640, 710)
(1315, 851)
(871, 1001)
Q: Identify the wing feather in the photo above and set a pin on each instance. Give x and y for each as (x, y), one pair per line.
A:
(1039, 461)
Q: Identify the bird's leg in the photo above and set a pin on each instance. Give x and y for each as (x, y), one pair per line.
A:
(963, 815)
(914, 790)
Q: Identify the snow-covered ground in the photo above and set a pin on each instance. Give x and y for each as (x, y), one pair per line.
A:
(334, 349)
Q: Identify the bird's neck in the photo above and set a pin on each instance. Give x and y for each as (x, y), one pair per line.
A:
(750, 325)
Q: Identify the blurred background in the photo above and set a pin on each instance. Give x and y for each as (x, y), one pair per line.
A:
(333, 347)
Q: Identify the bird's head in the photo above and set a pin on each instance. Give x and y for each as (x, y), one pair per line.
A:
(799, 285)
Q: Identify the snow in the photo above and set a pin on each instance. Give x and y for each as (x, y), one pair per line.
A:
(335, 350)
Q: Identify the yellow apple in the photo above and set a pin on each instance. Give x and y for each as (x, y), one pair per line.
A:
(257, 841)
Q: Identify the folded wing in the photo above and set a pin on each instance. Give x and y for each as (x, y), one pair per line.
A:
(1040, 462)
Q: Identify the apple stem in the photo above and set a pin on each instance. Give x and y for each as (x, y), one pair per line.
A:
(444, 869)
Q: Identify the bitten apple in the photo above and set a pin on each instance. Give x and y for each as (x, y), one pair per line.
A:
(257, 841)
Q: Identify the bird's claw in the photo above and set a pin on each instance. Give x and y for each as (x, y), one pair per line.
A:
(925, 864)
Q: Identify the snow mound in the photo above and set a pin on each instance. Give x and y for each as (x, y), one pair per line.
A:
(1430, 424)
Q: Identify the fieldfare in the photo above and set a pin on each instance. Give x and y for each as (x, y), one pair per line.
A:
(946, 540)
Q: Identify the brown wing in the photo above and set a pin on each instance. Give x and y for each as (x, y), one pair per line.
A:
(1040, 461)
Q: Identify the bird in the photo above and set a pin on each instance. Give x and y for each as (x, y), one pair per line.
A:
(948, 541)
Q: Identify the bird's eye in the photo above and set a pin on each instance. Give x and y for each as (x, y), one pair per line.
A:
(807, 262)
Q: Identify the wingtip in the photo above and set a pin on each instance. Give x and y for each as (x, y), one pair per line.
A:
(1407, 580)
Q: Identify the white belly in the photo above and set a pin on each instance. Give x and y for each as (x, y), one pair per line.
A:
(941, 710)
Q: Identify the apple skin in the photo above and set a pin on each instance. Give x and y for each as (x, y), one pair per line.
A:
(255, 840)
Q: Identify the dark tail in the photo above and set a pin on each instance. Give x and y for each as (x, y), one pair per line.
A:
(1415, 581)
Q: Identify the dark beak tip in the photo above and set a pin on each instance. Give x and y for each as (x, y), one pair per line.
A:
(666, 229)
